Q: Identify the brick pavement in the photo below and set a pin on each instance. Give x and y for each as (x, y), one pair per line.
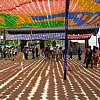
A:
(42, 79)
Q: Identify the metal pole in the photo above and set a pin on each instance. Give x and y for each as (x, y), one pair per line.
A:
(96, 36)
(31, 35)
(4, 39)
(66, 38)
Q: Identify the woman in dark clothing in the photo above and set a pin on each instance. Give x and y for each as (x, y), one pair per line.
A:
(26, 53)
(33, 53)
(79, 53)
(37, 52)
(89, 59)
(86, 55)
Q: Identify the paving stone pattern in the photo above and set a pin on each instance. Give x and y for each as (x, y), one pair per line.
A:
(42, 79)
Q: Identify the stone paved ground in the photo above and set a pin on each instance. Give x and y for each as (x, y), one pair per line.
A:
(42, 79)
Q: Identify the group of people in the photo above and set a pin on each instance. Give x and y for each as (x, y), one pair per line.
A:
(23, 54)
(91, 57)
(12, 52)
(34, 51)
(8, 53)
(56, 52)
(79, 52)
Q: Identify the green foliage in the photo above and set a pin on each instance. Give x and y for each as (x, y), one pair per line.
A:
(48, 43)
(13, 43)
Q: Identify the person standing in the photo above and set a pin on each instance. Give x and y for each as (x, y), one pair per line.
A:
(33, 52)
(79, 53)
(36, 51)
(57, 52)
(12, 53)
(46, 52)
(21, 58)
(26, 53)
(89, 59)
(96, 57)
(86, 55)
(60, 52)
(71, 51)
(4, 52)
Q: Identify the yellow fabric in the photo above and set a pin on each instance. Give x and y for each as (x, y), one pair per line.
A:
(21, 56)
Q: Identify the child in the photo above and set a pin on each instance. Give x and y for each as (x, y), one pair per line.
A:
(21, 58)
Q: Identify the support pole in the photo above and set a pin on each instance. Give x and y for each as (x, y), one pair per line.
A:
(96, 37)
(31, 35)
(4, 38)
(66, 38)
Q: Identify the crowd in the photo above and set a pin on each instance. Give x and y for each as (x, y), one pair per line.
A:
(91, 56)
(12, 52)
(8, 53)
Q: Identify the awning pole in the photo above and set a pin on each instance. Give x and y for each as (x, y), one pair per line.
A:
(66, 38)
(31, 35)
(96, 36)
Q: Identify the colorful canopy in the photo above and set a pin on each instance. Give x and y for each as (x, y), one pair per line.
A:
(48, 13)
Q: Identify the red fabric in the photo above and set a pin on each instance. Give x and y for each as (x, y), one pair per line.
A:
(96, 60)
